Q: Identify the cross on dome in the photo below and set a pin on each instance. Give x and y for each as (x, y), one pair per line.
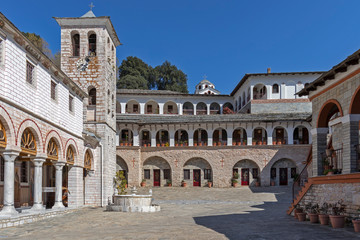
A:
(91, 6)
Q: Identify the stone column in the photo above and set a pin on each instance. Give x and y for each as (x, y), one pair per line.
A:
(249, 133)
(123, 108)
(136, 138)
(142, 108)
(210, 137)
(171, 137)
(319, 136)
(195, 108)
(153, 138)
(9, 209)
(191, 138)
(58, 192)
(229, 133)
(161, 108)
(350, 131)
(269, 132)
(180, 110)
(208, 109)
(221, 109)
(290, 136)
(38, 203)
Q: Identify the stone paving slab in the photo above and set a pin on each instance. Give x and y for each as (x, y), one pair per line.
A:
(188, 213)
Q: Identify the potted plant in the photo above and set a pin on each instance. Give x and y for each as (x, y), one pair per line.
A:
(323, 214)
(195, 144)
(257, 182)
(168, 183)
(183, 183)
(120, 182)
(244, 142)
(272, 182)
(143, 183)
(297, 210)
(158, 144)
(301, 215)
(209, 183)
(337, 219)
(234, 182)
(356, 222)
(313, 212)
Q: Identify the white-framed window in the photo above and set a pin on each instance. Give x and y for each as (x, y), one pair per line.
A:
(30, 73)
(53, 90)
(71, 103)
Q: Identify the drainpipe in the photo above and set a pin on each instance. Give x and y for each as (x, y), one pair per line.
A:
(102, 174)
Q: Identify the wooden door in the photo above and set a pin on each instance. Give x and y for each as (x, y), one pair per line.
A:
(197, 178)
(245, 176)
(156, 177)
(283, 176)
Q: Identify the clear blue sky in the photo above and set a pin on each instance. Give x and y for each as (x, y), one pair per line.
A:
(223, 39)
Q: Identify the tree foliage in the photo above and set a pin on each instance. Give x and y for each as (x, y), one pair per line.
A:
(136, 74)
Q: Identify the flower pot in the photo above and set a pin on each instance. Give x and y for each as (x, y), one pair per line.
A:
(143, 184)
(209, 184)
(272, 183)
(257, 184)
(330, 173)
(356, 225)
(214, 144)
(169, 185)
(145, 145)
(158, 145)
(121, 144)
(324, 219)
(314, 217)
(126, 144)
(195, 144)
(184, 184)
(274, 142)
(200, 144)
(296, 211)
(301, 216)
(176, 144)
(260, 143)
(235, 184)
(163, 144)
(337, 221)
(234, 143)
(244, 143)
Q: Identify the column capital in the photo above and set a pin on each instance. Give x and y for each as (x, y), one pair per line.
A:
(59, 165)
(38, 161)
(10, 155)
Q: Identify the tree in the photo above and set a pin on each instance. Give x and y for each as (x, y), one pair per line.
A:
(135, 74)
(169, 77)
(40, 43)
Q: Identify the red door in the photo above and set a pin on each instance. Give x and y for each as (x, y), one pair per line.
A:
(197, 177)
(245, 176)
(283, 176)
(156, 178)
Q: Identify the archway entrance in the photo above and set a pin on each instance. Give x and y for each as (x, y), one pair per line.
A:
(197, 171)
(247, 171)
(283, 172)
(122, 167)
(156, 172)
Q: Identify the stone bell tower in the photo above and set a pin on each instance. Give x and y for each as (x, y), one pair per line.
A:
(88, 57)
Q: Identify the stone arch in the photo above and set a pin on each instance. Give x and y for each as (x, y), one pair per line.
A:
(188, 108)
(54, 148)
(181, 137)
(152, 107)
(170, 107)
(275, 88)
(228, 108)
(162, 138)
(197, 171)
(122, 166)
(92, 41)
(70, 155)
(71, 142)
(200, 137)
(259, 136)
(239, 136)
(219, 137)
(355, 102)
(35, 130)
(132, 106)
(88, 159)
(145, 138)
(126, 137)
(282, 171)
(201, 108)
(92, 95)
(214, 108)
(156, 171)
(248, 172)
(301, 135)
(8, 125)
(279, 135)
(54, 134)
(75, 41)
(327, 111)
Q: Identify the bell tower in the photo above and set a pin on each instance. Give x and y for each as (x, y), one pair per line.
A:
(88, 57)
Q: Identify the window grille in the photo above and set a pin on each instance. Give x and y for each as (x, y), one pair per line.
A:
(53, 90)
(29, 72)
(24, 172)
(207, 174)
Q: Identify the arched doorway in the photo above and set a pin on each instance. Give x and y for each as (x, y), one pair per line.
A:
(220, 137)
(283, 172)
(247, 171)
(132, 107)
(301, 135)
(239, 137)
(156, 172)
(162, 138)
(259, 136)
(122, 166)
(259, 91)
(145, 138)
(152, 107)
(126, 137)
(170, 108)
(201, 108)
(200, 137)
(197, 171)
(188, 108)
(214, 108)
(279, 136)
(181, 138)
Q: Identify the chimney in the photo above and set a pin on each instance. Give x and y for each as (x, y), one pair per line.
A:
(268, 70)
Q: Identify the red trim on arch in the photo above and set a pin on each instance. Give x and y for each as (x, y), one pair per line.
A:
(334, 101)
(28, 119)
(12, 123)
(77, 149)
(47, 137)
(355, 99)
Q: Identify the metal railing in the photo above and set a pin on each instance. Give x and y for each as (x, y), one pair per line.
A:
(301, 179)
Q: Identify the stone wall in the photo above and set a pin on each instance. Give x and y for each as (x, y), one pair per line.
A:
(263, 106)
(332, 193)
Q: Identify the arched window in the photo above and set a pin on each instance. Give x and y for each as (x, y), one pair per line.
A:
(275, 88)
(92, 96)
(2, 136)
(92, 45)
(87, 160)
(53, 150)
(70, 157)
(76, 45)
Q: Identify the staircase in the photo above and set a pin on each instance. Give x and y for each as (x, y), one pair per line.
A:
(300, 195)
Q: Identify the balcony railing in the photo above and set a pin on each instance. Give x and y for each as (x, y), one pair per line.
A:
(280, 141)
(188, 111)
(300, 141)
(201, 112)
(260, 141)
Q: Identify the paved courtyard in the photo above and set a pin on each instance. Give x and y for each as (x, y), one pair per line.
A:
(188, 213)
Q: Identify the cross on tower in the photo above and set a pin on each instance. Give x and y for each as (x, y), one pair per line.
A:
(222, 162)
(133, 161)
(204, 76)
(176, 162)
(91, 6)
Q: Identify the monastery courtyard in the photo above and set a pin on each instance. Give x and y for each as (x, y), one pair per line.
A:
(188, 213)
